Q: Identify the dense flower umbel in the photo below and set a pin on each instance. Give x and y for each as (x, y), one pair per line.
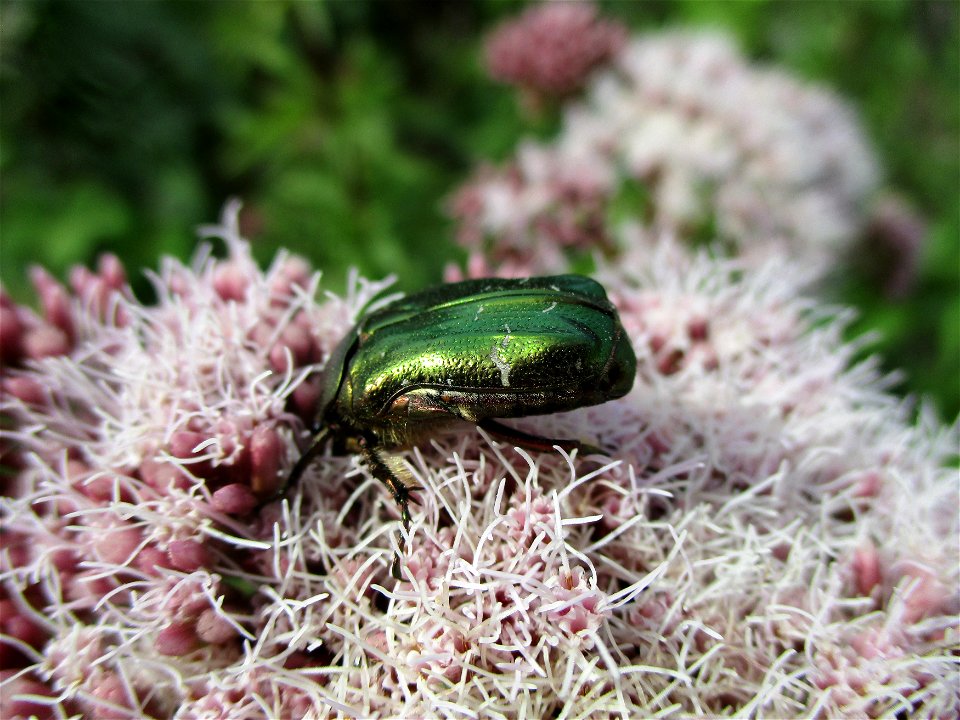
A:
(680, 134)
(551, 49)
(768, 535)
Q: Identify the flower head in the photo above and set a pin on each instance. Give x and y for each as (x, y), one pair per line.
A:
(552, 48)
(680, 135)
(767, 534)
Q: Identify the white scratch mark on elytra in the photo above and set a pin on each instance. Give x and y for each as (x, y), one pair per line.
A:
(502, 365)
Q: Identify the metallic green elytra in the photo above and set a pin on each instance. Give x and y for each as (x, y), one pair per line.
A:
(469, 353)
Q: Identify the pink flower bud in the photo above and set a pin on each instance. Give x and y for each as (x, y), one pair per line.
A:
(45, 341)
(65, 559)
(15, 706)
(54, 300)
(151, 558)
(83, 281)
(698, 328)
(11, 334)
(924, 595)
(162, 476)
(262, 333)
(16, 550)
(866, 569)
(188, 555)
(306, 396)
(296, 660)
(183, 442)
(231, 282)
(99, 488)
(214, 628)
(111, 271)
(21, 626)
(295, 272)
(868, 484)
(266, 457)
(26, 389)
(112, 691)
(95, 290)
(95, 486)
(234, 499)
(118, 545)
(176, 639)
(87, 588)
(294, 342)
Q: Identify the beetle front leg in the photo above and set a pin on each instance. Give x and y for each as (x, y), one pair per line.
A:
(505, 433)
(316, 445)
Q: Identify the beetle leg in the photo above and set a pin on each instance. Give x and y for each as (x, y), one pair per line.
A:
(505, 433)
(380, 469)
(395, 567)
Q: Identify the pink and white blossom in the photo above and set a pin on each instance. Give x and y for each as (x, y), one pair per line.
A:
(551, 49)
(767, 534)
(680, 134)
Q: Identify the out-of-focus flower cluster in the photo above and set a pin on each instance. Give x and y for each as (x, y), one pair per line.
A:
(678, 134)
(767, 536)
(551, 49)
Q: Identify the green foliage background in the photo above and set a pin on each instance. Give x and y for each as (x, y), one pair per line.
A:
(344, 125)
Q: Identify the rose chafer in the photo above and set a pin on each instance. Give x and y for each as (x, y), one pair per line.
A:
(469, 353)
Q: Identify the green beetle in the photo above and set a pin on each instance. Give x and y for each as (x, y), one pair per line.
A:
(468, 353)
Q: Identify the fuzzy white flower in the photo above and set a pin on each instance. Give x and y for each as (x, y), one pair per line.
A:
(768, 536)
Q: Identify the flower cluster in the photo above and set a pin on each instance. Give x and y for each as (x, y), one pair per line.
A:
(682, 135)
(767, 534)
(551, 49)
